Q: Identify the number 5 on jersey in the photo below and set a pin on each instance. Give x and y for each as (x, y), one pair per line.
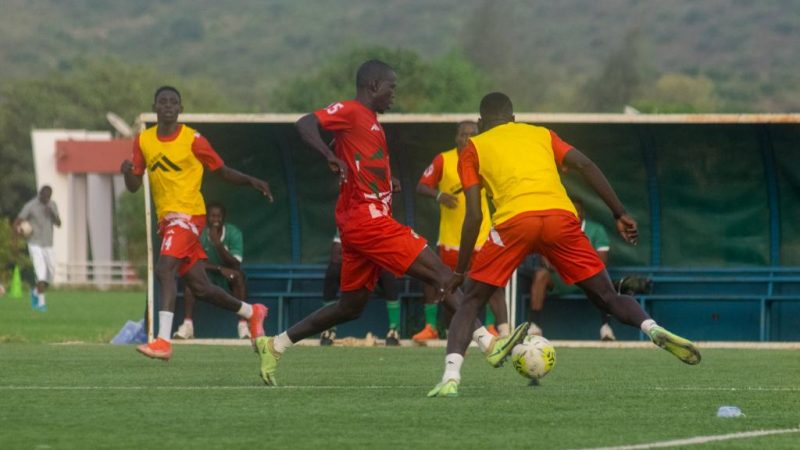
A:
(334, 108)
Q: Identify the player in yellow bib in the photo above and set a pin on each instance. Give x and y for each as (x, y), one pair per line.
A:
(440, 181)
(175, 157)
(519, 165)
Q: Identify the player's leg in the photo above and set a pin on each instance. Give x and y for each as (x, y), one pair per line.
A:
(606, 332)
(186, 330)
(165, 270)
(601, 292)
(50, 272)
(40, 271)
(330, 288)
(428, 268)
(359, 276)
(459, 336)
(628, 311)
(348, 308)
(541, 281)
(388, 284)
(270, 350)
(198, 282)
(497, 305)
(491, 268)
(488, 320)
(570, 252)
(429, 331)
(476, 297)
(237, 284)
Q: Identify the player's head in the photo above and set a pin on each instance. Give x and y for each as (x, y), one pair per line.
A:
(375, 85)
(45, 193)
(496, 109)
(167, 104)
(465, 130)
(215, 214)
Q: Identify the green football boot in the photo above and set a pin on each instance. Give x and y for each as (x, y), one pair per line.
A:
(447, 388)
(269, 359)
(684, 349)
(501, 346)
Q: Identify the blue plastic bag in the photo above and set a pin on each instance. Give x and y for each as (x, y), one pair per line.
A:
(131, 333)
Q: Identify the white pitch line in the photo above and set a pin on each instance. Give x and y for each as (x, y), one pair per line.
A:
(699, 440)
(196, 388)
(746, 388)
(354, 387)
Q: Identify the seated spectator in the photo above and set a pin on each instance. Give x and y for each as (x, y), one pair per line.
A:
(224, 246)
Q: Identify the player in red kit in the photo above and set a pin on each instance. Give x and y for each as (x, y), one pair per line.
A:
(371, 238)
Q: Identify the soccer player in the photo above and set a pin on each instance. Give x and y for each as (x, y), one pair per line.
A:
(224, 247)
(440, 182)
(330, 289)
(518, 164)
(175, 157)
(42, 213)
(371, 238)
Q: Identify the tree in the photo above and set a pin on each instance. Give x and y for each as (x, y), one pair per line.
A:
(620, 79)
(77, 97)
(448, 84)
(679, 93)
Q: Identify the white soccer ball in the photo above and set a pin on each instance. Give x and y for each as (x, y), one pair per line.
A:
(25, 228)
(534, 357)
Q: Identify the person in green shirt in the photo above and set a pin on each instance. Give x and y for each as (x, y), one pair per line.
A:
(224, 246)
(545, 279)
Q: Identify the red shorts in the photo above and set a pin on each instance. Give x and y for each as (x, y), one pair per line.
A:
(180, 238)
(556, 236)
(369, 244)
(449, 256)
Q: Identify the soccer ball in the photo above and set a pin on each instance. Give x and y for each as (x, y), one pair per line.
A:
(25, 228)
(534, 357)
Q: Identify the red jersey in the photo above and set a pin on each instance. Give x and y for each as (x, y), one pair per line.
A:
(361, 144)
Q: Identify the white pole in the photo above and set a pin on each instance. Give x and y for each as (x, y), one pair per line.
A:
(150, 278)
(511, 300)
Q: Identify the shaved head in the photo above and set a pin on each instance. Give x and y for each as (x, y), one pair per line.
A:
(372, 71)
(496, 105)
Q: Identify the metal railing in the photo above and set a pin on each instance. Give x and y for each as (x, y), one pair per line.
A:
(98, 273)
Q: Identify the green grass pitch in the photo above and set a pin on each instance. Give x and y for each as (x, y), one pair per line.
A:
(94, 395)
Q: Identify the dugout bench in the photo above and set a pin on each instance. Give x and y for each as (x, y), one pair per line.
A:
(737, 304)
(717, 303)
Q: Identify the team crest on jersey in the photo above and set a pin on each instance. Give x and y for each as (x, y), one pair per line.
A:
(165, 164)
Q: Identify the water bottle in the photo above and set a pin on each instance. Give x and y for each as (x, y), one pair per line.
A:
(729, 411)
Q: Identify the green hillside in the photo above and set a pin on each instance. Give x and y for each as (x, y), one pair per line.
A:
(543, 50)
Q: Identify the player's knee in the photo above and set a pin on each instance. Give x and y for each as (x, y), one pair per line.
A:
(541, 276)
(201, 289)
(350, 310)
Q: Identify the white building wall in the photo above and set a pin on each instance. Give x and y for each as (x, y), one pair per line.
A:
(44, 159)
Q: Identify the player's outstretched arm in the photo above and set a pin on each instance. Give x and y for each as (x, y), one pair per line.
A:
(448, 200)
(626, 225)
(469, 234)
(132, 182)
(308, 127)
(233, 176)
